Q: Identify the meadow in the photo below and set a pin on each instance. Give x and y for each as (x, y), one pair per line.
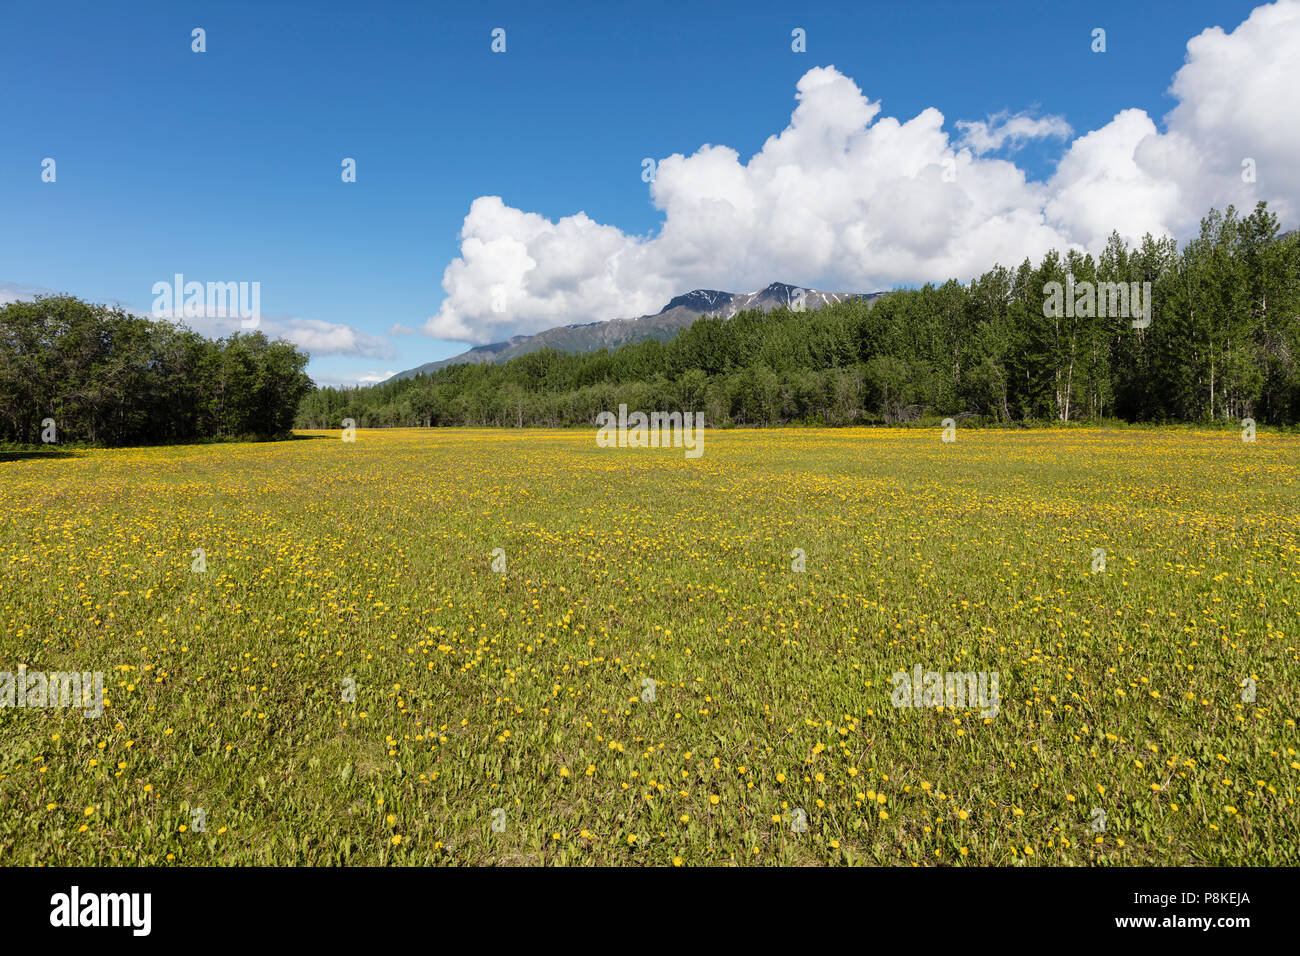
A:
(640, 675)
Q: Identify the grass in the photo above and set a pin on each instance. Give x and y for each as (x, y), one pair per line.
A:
(522, 698)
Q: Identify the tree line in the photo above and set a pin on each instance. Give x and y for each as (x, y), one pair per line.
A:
(75, 372)
(1223, 342)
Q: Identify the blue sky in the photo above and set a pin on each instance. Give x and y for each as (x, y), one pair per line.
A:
(225, 165)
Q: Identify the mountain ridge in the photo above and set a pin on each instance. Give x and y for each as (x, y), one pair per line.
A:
(680, 312)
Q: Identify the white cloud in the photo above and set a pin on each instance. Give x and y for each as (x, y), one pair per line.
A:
(848, 198)
(314, 336)
(327, 338)
(18, 292)
(351, 381)
(1003, 129)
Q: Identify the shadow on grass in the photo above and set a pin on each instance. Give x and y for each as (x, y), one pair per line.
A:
(22, 454)
(14, 455)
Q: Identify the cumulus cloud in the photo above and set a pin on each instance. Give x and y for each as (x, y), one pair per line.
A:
(848, 198)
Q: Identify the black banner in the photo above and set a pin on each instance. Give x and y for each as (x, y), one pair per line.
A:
(336, 905)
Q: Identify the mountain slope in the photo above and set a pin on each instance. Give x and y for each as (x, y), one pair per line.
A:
(681, 312)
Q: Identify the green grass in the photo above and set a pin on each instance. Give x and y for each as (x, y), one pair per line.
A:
(477, 691)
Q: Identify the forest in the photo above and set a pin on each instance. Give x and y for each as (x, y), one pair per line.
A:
(1223, 342)
(73, 372)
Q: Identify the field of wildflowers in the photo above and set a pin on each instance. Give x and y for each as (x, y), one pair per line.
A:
(443, 647)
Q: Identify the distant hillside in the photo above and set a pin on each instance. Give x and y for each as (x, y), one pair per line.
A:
(678, 314)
